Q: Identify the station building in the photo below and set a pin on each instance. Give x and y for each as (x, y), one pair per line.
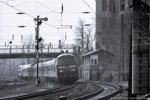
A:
(94, 63)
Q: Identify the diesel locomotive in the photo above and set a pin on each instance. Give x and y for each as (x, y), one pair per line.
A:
(64, 69)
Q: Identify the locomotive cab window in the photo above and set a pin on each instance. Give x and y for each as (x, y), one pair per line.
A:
(66, 60)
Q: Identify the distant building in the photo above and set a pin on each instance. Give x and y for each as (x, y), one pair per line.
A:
(93, 64)
(108, 22)
(113, 28)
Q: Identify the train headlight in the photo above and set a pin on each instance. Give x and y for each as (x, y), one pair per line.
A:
(61, 71)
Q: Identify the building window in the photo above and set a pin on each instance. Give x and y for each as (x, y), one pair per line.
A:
(129, 4)
(95, 61)
(111, 5)
(122, 5)
(104, 5)
(97, 37)
(103, 40)
(92, 62)
(139, 81)
(97, 45)
(140, 75)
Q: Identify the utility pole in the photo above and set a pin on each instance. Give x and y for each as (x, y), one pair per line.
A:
(130, 62)
(38, 23)
(82, 38)
(82, 35)
(122, 39)
(87, 45)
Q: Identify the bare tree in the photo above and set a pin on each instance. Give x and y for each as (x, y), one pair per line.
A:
(28, 40)
(84, 36)
(89, 38)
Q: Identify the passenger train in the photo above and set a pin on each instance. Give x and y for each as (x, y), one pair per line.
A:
(63, 69)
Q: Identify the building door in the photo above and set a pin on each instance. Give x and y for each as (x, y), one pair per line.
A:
(94, 75)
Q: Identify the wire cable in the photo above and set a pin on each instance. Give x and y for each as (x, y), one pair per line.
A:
(8, 0)
(88, 6)
(53, 11)
(7, 33)
(21, 3)
(25, 13)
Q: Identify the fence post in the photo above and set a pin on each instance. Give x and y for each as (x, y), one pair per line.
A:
(48, 48)
(23, 49)
(10, 49)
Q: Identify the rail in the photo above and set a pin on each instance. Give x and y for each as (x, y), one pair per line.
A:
(60, 89)
(37, 94)
(84, 97)
(98, 92)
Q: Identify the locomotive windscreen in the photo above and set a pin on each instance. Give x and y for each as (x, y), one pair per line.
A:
(66, 60)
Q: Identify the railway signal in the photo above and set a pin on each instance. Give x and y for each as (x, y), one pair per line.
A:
(38, 23)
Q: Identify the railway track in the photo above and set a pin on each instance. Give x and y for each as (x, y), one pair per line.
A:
(8, 87)
(103, 92)
(32, 95)
(70, 93)
(109, 91)
(36, 94)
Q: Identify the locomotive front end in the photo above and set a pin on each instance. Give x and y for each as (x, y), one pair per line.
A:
(67, 69)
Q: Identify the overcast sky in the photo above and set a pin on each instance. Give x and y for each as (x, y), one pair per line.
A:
(9, 20)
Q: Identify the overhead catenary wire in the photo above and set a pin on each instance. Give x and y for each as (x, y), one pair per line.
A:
(28, 15)
(53, 11)
(33, 15)
(46, 13)
(17, 26)
(22, 3)
(10, 35)
(6, 33)
(25, 13)
(7, 0)
(46, 6)
(58, 26)
(88, 6)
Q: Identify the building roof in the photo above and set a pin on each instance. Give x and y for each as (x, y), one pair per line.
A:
(96, 51)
